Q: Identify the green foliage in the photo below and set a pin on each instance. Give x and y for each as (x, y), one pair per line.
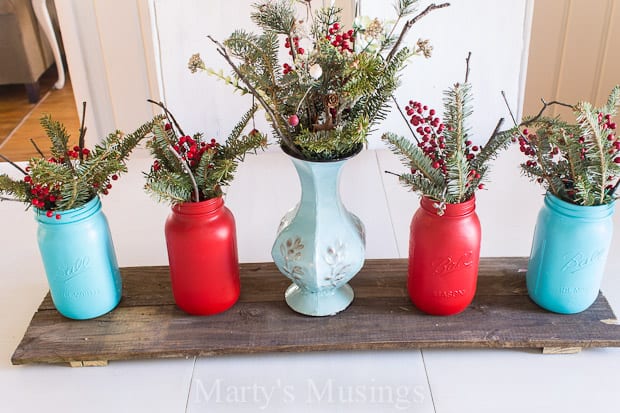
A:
(72, 176)
(578, 162)
(337, 90)
(193, 169)
(444, 164)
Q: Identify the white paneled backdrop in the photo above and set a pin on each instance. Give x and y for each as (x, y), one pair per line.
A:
(121, 52)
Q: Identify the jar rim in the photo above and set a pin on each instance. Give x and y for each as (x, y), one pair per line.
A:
(70, 215)
(197, 208)
(580, 211)
(451, 210)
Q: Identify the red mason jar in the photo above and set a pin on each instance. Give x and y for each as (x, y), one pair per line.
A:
(444, 252)
(202, 252)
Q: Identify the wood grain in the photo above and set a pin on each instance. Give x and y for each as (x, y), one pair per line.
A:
(147, 324)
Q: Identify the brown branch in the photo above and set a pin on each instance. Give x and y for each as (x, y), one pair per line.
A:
(82, 132)
(405, 119)
(9, 199)
(542, 110)
(36, 147)
(274, 118)
(410, 23)
(614, 189)
(4, 158)
(467, 67)
(169, 115)
(392, 173)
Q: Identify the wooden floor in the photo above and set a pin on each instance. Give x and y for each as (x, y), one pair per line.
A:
(19, 119)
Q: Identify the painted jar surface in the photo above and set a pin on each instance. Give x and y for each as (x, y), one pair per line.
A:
(568, 256)
(444, 253)
(202, 253)
(79, 260)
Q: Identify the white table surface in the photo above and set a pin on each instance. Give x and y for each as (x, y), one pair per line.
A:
(266, 186)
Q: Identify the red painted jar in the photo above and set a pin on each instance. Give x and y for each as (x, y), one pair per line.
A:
(444, 252)
(202, 252)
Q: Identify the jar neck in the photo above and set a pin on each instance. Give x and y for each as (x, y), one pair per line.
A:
(70, 215)
(578, 211)
(199, 208)
(451, 210)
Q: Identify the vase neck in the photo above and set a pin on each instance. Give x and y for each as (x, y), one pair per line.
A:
(319, 181)
(451, 210)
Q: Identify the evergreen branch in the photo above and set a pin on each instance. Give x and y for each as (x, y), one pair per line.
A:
(188, 171)
(490, 150)
(410, 23)
(413, 156)
(274, 118)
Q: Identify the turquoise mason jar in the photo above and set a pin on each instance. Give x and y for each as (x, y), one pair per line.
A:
(568, 255)
(79, 261)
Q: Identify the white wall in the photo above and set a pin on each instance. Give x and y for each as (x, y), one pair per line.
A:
(121, 52)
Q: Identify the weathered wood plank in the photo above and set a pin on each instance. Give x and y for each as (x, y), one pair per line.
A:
(263, 282)
(147, 324)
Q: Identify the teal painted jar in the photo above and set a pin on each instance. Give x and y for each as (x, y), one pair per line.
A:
(568, 257)
(79, 261)
(320, 245)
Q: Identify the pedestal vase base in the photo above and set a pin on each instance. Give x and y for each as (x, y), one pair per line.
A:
(323, 303)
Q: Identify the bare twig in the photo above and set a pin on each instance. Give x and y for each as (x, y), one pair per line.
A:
(410, 23)
(514, 119)
(392, 173)
(82, 132)
(405, 119)
(496, 130)
(187, 169)
(542, 110)
(613, 190)
(169, 115)
(36, 147)
(4, 158)
(274, 118)
(467, 67)
(9, 199)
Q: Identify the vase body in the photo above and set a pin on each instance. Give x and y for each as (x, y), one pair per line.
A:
(444, 253)
(320, 245)
(79, 260)
(568, 256)
(202, 252)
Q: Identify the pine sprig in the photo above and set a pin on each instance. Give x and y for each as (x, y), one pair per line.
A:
(578, 162)
(321, 102)
(193, 169)
(72, 176)
(444, 163)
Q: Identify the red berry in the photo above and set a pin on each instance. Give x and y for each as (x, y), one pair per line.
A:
(85, 152)
(114, 177)
(435, 165)
(49, 213)
(109, 186)
(474, 148)
(300, 50)
(52, 198)
(293, 120)
(336, 26)
(57, 216)
(167, 126)
(432, 112)
(27, 178)
(481, 186)
(617, 160)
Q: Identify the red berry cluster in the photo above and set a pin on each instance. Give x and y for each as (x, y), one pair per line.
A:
(343, 41)
(43, 197)
(287, 68)
(606, 123)
(433, 142)
(287, 44)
